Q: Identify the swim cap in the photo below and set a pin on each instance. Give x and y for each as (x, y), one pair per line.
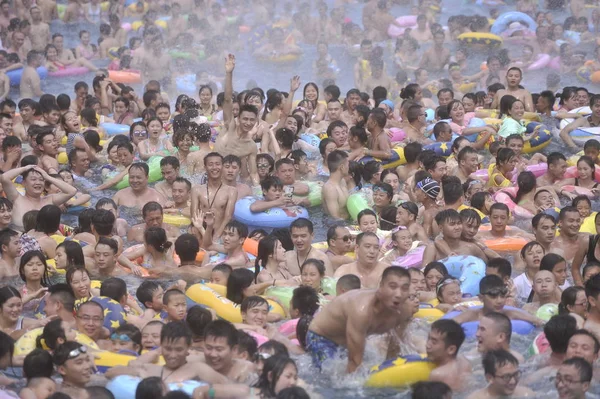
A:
(429, 187)
(389, 103)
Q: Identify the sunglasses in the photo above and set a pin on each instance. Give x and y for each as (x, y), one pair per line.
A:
(347, 238)
(140, 133)
(76, 352)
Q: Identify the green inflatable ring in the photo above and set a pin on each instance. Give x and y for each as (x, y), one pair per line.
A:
(284, 294)
(355, 204)
(153, 175)
(176, 54)
(314, 194)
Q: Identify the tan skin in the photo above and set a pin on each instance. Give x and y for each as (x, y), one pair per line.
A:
(350, 318)
(366, 267)
(513, 79)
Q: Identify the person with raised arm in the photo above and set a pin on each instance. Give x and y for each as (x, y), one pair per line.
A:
(34, 179)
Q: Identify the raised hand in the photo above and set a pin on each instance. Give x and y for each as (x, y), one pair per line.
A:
(229, 63)
(295, 83)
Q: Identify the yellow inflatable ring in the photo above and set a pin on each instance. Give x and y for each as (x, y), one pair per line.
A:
(62, 158)
(27, 342)
(479, 38)
(589, 224)
(213, 296)
(400, 372)
(176, 220)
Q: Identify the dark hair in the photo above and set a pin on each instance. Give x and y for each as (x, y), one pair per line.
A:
(430, 390)
(114, 288)
(306, 300)
(28, 256)
(175, 330)
(568, 298)
(187, 247)
(222, 329)
(302, 223)
(238, 281)
(584, 368)
(452, 331)
(62, 352)
(146, 290)
(502, 265)
(73, 252)
(559, 330)
(493, 360)
(149, 387)
(156, 237)
(48, 219)
(197, 318)
(38, 363)
(272, 370)
(103, 221)
(590, 163)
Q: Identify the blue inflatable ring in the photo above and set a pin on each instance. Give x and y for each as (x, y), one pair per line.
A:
(15, 75)
(518, 326)
(112, 129)
(124, 386)
(272, 218)
(502, 22)
(468, 269)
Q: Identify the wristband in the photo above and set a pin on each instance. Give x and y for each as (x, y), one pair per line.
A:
(211, 393)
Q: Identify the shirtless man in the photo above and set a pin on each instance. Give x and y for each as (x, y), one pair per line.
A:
(557, 166)
(27, 108)
(33, 182)
(169, 168)
(415, 124)
(30, 86)
(157, 64)
(379, 143)
(152, 214)
(502, 373)
(49, 10)
(361, 68)
(422, 33)
(339, 243)
(378, 78)
(106, 258)
(79, 162)
(493, 333)
(107, 42)
(335, 193)
(65, 56)
(180, 205)
(348, 319)
(220, 345)
(235, 137)
(10, 247)
(138, 193)
(231, 171)
(451, 226)
(591, 121)
(195, 160)
(443, 343)
(40, 31)
(592, 322)
(437, 56)
(334, 113)
(5, 14)
(352, 100)
(286, 172)
(17, 45)
(76, 366)
(214, 195)
(499, 216)
(48, 147)
(175, 344)
(468, 163)
(542, 44)
(302, 234)
(569, 240)
(367, 267)
(89, 320)
(514, 76)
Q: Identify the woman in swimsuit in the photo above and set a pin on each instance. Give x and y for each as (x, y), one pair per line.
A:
(85, 49)
(501, 172)
(54, 65)
(158, 252)
(587, 174)
(183, 140)
(207, 108)
(121, 112)
(80, 282)
(34, 272)
(93, 11)
(156, 141)
(11, 308)
(270, 261)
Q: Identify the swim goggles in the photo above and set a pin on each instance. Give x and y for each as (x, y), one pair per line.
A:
(444, 282)
(496, 292)
(120, 337)
(76, 352)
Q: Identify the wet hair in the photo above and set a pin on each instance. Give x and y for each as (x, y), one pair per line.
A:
(568, 298)
(187, 247)
(437, 266)
(26, 258)
(272, 370)
(558, 330)
(266, 247)
(590, 163)
(151, 207)
(146, 290)
(302, 223)
(317, 263)
(222, 329)
(370, 169)
(37, 364)
(238, 281)
(267, 158)
(365, 212)
(323, 145)
(591, 335)
(149, 387)
(453, 334)
(430, 390)
(240, 228)
(50, 335)
(527, 183)
(539, 217)
(114, 288)
(490, 282)
(452, 189)
(502, 265)
(493, 360)
(62, 352)
(584, 368)
(501, 324)
(171, 293)
(447, 215)
(563, 212)
(409, 92)
(529, 246)
(335, 159)
(306, 300)
(73, 252)
(103, 221)
(5, 236)
(175, 330)
(550, 260)
(498, 206)
(132, 332)
(48, 219)
(252, 302)
(197, 318)
(580, 198)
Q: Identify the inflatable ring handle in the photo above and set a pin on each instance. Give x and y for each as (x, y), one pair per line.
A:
(128, 352)
(425, 305)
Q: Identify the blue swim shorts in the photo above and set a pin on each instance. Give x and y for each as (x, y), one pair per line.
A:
(321, 348)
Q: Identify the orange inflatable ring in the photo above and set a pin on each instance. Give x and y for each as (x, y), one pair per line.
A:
(125, 77)
(250, 246)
